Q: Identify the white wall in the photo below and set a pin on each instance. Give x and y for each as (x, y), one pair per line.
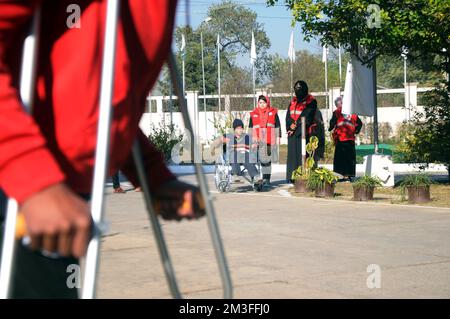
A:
(392, 115)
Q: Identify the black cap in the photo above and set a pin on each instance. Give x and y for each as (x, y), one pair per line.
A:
(237, 123)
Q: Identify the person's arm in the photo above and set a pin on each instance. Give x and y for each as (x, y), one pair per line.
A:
(26, 164)
(217, 142)
(173, 199)
(278, 124)
(56, 218)
(290, 124)
(250, 123)
(158, 173)
(359, 125)
(309, 112)
(333, 122)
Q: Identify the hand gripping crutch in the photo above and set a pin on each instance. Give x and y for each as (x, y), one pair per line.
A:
(212, 221)
(27, 85)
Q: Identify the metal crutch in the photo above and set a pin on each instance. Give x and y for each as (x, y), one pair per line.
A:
(27, 85)
(212, 221)
(102, 147)
(211, 216)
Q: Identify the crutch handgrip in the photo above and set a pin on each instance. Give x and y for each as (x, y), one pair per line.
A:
(21, 226)
(187, 205)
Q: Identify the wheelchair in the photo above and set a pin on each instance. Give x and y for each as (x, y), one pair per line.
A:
(224, 179)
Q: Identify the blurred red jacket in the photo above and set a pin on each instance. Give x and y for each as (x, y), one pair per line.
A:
(57, 143)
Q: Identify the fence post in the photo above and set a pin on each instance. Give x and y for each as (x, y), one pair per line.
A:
(159, 109)
(227, 104)
(192, 105)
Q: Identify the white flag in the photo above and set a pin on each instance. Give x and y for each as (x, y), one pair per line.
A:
(253, 51)
(358, 91)
(183, 45)
(291, 52)
(324, 54)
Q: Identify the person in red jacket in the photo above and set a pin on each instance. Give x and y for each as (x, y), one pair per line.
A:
(47, 158)
(344, 127)
(265, 124)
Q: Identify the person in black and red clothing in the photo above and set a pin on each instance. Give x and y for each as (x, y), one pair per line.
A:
(266, 133)
(302, 105)
(344, 127)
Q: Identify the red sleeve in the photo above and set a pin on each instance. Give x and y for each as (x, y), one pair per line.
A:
(157, 171)
(26, 165)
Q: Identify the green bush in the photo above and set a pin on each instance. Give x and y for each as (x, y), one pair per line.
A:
(304, 171)
(359, 159)
(367, 181)
(415, 180)
(329, 151)
(321, 176)
(420, 179)
(427, 138)
(164, 138)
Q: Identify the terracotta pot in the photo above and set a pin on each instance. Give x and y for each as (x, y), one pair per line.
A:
(363, 193)
(326, 191)
(419, 194)
(301, 186)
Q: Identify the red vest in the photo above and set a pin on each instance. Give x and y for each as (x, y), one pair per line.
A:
(345, 127)
(263, 124)
(296, 108)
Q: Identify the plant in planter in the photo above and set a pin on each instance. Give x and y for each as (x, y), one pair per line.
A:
(363, 187)
(418, 187)
(322, 181)
(303, 172)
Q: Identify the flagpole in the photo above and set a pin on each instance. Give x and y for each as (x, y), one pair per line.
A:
(326, 82)
(254, 85)
(253, 61)
(292, 84)
(203, 77)
(184, 81)
(218, 71)
(340, 66)
(183, 56)
(375, 114)
(171, 102)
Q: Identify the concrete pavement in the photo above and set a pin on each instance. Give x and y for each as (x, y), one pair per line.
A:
(280, 246)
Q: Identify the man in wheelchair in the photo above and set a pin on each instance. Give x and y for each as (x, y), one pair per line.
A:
(238, 151)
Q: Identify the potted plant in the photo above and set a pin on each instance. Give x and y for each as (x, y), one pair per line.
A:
(418, 187)
(363, 187)
(322, 181)
(303, 172)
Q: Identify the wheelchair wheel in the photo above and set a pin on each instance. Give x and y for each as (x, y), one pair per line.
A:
(258, 187)
(224, 187)
(216, 178)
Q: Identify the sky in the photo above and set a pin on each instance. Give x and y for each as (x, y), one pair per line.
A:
(276, 22)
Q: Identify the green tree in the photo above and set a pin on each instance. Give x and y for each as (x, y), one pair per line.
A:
(382, 27)
(238, 81)
(308, 67)
(233, 23)
(427, 139)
